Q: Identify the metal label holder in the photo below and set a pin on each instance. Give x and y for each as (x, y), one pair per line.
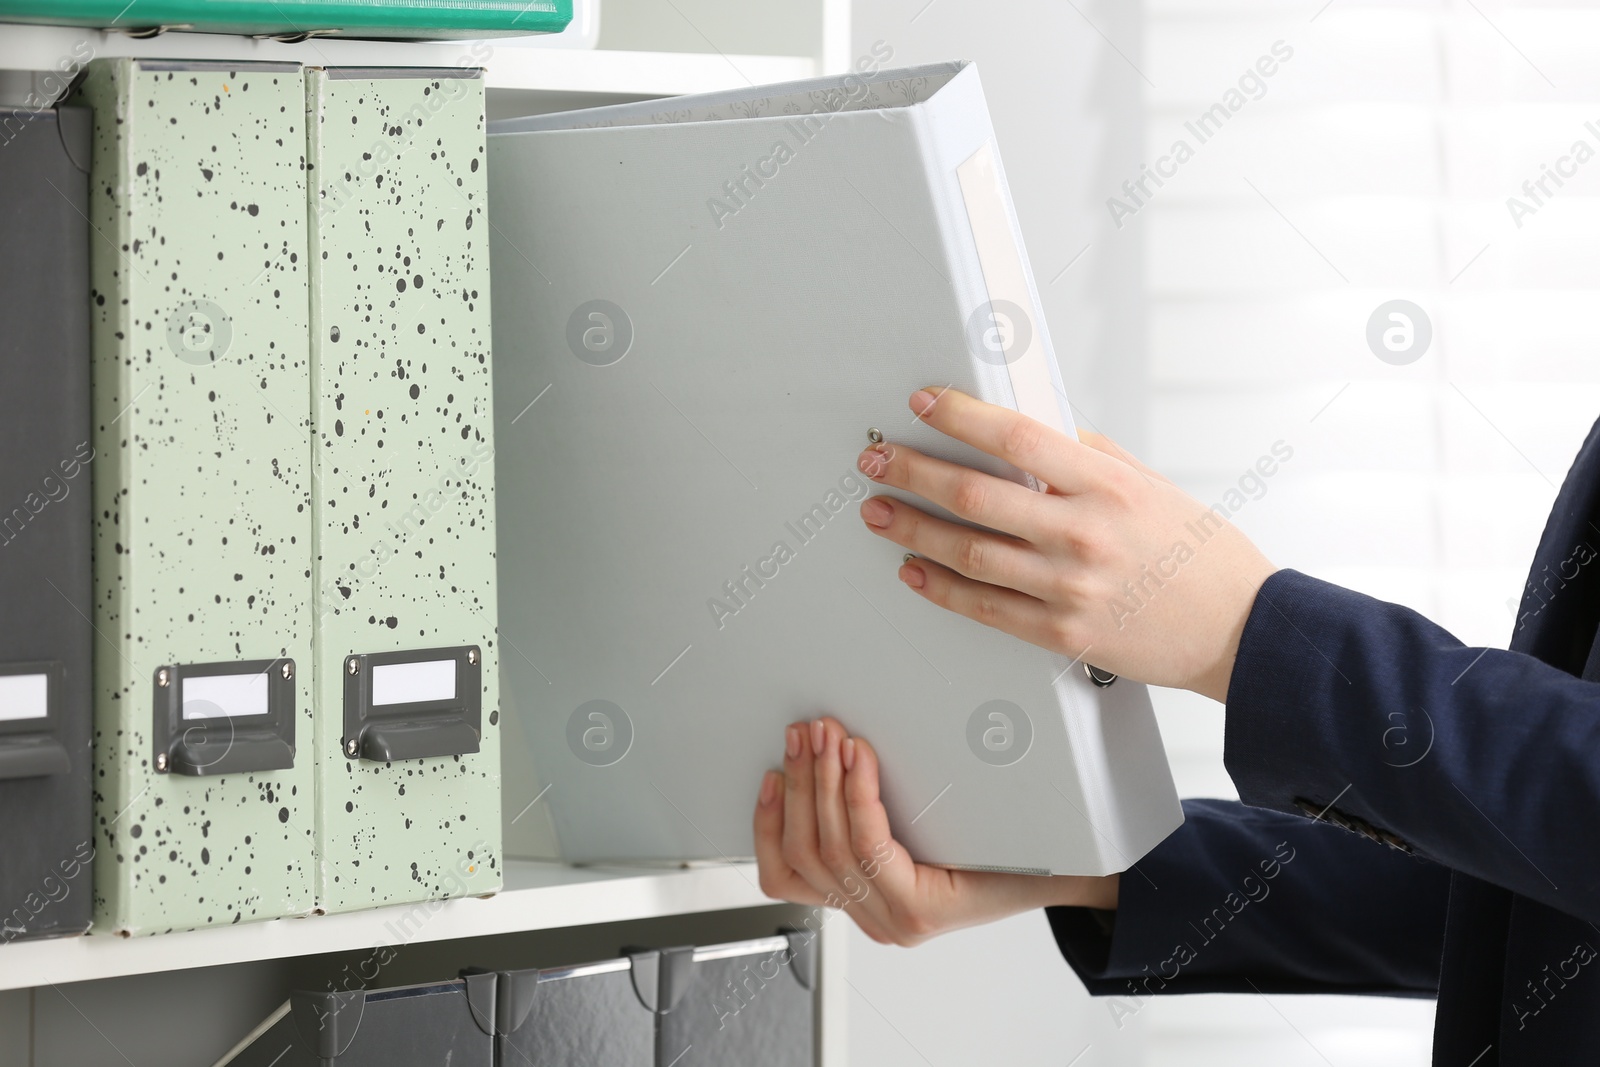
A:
(384, 733)
(223, 744)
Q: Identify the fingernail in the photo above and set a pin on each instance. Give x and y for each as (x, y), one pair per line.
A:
(913, 576)
(874, 461)
(791, 742)
(848, 753)
(922, 400)
(877, 513)
(769, 789)
(819, 736)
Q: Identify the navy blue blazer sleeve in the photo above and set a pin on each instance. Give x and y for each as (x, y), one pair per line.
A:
(1478, 760)
(1482, 760)
(1240, 899)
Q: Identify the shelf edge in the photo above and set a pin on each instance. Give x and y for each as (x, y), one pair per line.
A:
(510, 65)
(558, 896)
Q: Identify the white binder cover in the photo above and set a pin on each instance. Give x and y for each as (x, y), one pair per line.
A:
(703, 308)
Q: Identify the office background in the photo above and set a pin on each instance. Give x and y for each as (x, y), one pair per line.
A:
(1200, 322)
(1229, 312)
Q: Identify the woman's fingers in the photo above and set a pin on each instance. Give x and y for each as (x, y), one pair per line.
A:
(799, 839)
(833, 823)
(972, 495)
(885, 863)
(1007, 610)
(987, 557)
(878, 878)
(1112, 531)
(778, 880)
(1106, 446)
(812, 818)
(801, 844)
(852, 861)
(1056, 458)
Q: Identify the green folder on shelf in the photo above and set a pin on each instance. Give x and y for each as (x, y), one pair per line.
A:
(294, 18)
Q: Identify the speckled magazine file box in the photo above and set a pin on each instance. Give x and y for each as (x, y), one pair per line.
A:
(437, 1023)
(705, 307)
(46, 695)
(202, 557)
(407, 743)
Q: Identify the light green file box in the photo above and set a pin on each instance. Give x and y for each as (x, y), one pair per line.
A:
(407, 726)
(201, 381)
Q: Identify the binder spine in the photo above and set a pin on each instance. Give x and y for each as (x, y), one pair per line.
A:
(957, 264)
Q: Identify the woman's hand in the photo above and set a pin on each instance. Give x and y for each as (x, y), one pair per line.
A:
(822, 838)
(1114, 565)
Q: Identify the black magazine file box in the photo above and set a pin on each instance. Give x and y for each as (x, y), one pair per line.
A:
(739, 1003)
(582, 1016)
(425, 1025)
(46, 578)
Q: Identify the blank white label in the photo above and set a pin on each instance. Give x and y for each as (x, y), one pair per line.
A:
(217, 696)
(1006, 277)
(407, 683)
(24, 696)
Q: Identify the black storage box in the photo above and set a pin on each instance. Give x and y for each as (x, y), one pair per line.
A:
(409, 1026)
(46, 576)
(730, 1005)
(593, 1015)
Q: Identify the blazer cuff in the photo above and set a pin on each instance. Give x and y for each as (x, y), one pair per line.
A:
(1114, 951)
(1275, 756)
(1134, 951)
(1241, 900)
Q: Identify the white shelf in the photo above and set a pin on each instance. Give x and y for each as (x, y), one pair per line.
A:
(537, 896)
(510, 65)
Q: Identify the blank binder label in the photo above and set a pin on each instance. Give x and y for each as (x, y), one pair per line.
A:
(410, 683)
(24, 696)
(218, 696)
(1007, 279)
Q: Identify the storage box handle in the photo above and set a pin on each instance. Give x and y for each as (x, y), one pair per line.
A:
(412, 704)
(223, 718)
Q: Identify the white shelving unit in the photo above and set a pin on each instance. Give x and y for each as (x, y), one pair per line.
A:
(50, 990)
(512, 63)
(537, 896)
(184, 998)
(587, 905)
